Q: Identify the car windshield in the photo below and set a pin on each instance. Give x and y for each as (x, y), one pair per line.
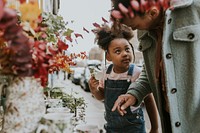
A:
(79, 70)
(87, 73)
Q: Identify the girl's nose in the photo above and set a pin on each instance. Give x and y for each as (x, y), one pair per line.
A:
(124, 53)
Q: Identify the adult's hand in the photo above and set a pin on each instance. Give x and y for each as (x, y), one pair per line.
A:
(123, 102)
(136, 6)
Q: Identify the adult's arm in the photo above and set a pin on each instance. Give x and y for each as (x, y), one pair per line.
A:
(136, 93)
(141, 88)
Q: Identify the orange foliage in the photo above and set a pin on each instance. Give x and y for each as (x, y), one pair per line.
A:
(30, 12)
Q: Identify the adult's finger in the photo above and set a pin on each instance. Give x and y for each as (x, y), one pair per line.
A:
(116, 104)
(116, 14)
(139, 7)
(128, 102)
(135, 5)
(165, 3)
(130, 12)
(121, 112)
(144, 5)
(124, 10)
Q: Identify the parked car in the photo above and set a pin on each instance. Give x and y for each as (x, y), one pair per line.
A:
(93, 63)
(84, 79)
(91, 69)
(69, 74)
(76, 75)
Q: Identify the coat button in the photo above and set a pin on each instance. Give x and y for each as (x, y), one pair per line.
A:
(174, 90)
(177, 124)
(190, 36)
(169, 56)
(169, 21)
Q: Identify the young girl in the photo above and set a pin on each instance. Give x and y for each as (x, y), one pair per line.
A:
(116, 80)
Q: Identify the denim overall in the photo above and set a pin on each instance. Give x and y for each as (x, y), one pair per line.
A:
(132, 122)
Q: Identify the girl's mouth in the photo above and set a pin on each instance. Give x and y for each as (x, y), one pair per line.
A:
(126, 61)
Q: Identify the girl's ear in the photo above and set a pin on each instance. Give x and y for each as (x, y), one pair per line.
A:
(108, 57)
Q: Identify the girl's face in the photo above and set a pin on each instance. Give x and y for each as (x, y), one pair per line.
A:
(121, 54)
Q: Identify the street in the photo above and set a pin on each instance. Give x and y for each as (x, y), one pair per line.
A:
(95, 109)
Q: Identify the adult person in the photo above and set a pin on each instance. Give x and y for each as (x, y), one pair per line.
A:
(169, 40)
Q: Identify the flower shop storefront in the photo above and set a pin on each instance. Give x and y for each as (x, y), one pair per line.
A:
(32, 42)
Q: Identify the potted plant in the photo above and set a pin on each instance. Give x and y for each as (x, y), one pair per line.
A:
(76, 105)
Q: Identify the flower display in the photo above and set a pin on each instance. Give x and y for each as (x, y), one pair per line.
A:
(15, 53)
(33, 45)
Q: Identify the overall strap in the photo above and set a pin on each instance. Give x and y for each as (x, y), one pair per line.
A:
(130, 70)
(109, 69)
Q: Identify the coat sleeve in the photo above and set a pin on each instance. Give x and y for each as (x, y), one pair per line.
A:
(140, 88)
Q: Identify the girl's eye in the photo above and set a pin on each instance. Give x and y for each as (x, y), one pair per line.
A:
(127, 49)
(117, 51)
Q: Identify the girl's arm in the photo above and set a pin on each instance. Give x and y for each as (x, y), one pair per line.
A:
(152, 112)
(97, 91)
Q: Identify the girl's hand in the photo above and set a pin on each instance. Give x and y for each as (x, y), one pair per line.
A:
(93, 84)
(96, 91)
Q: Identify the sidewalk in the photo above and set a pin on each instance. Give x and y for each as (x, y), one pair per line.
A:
(95, 109)
(94, 113)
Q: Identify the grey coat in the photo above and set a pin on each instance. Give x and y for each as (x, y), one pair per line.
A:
(181, 56)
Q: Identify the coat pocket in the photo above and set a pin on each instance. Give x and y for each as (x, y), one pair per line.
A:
(188, 34)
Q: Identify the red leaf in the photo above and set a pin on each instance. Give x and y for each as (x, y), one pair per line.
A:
(104, 20)
(85, 29)
(62, 45)
(96, 25)
(69, 38)
(52, 51)
(78, 35)
(42, 46)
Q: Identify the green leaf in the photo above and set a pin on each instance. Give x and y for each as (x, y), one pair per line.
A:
(68, 32)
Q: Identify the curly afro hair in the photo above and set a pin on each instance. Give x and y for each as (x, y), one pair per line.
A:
(105, 34)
